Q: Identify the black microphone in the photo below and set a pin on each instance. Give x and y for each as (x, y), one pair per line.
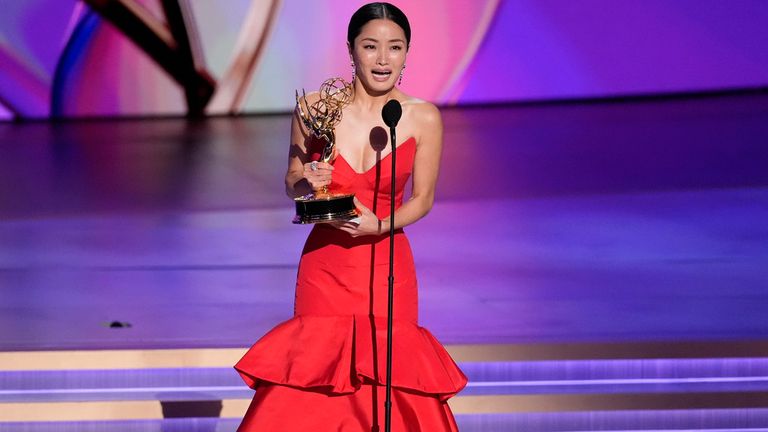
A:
(391, 113)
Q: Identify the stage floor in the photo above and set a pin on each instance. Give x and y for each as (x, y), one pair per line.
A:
(575, 223)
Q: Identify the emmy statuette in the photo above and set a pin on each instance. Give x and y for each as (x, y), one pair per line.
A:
(320, 119)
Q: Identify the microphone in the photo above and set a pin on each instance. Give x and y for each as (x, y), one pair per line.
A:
(391, 113)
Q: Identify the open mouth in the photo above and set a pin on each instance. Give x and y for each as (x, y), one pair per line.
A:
(382, 73)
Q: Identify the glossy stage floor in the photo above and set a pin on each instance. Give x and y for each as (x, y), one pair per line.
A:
(593, 266)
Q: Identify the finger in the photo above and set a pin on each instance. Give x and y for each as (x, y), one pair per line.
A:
(319, 167)
(342, 224)
(352, 228)
(360, 205)
(318, 176)
(321, 178)
(347, 229)
(321, 171)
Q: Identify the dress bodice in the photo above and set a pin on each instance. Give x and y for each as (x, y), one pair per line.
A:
(373, 186)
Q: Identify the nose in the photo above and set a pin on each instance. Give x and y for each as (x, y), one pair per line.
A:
(381, 57)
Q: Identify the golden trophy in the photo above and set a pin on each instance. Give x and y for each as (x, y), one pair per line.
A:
(320, 119)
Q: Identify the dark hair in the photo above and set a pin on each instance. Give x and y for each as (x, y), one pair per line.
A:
(377, 10)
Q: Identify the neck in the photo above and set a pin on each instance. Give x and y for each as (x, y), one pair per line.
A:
(369, 100)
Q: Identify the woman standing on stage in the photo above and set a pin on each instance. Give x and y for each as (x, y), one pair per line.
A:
(324, 369)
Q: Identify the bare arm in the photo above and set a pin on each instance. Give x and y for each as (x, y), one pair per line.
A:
(426, 166)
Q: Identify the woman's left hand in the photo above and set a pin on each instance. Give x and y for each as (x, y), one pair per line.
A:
(367, 222)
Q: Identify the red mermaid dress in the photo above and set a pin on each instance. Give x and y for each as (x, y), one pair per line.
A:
(325, 368)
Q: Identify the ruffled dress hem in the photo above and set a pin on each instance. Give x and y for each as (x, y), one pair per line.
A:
(336, 355)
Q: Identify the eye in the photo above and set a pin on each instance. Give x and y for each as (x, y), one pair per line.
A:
(397, 47)
(369, 46)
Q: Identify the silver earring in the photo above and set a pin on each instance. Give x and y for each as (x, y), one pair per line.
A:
(401, 76)
(353, 71)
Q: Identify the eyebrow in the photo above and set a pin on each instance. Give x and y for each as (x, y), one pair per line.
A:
(376, 40)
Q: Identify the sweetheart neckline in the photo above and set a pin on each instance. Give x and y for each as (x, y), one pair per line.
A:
(341, 156)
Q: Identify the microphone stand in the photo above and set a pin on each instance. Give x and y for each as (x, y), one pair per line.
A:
(391, 287)
(391, 115)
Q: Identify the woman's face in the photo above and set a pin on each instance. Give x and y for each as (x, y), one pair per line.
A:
(379, 54)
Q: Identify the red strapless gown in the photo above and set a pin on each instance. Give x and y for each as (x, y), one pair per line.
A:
(325, 369)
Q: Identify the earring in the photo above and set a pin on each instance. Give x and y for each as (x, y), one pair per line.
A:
(401, 76)
(354, 76)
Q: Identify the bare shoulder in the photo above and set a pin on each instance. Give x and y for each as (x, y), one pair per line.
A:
(309, 98)
(425, 114)
(299, 129)
(301, 110)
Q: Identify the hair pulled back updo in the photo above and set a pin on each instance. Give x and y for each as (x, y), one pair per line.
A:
(377, 10)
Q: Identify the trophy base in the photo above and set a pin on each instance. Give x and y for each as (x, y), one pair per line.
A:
(324, 208)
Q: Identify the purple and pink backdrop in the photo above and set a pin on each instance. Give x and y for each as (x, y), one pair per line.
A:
(61, 58)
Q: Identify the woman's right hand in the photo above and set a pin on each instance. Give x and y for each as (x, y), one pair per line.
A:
(318, 174)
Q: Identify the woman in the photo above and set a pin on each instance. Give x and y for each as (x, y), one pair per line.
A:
(324, 370)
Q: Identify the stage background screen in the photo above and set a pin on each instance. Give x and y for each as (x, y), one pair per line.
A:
(62, 58)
